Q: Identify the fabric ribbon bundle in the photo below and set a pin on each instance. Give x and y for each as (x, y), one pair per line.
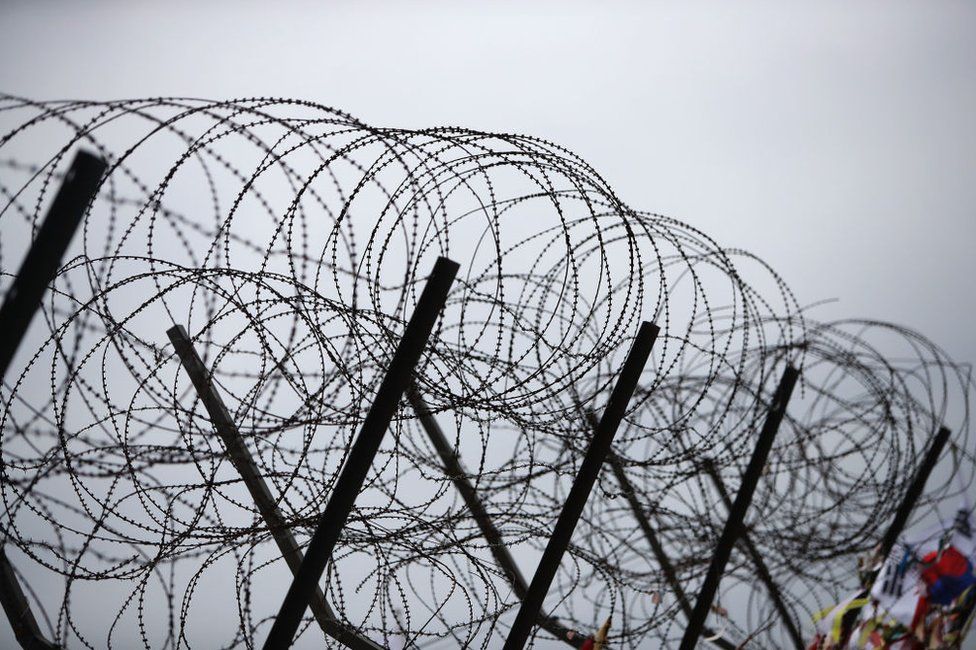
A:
(921, 597)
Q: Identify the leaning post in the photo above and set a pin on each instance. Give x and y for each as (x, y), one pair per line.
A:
(398, 377)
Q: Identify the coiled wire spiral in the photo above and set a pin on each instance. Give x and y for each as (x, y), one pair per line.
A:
(291, 240)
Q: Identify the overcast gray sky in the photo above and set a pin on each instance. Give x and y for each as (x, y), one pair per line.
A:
(837, 140)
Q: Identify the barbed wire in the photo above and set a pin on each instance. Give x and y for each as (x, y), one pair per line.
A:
(291, 241)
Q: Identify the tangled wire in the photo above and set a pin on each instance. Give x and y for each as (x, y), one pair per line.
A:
(292, 241)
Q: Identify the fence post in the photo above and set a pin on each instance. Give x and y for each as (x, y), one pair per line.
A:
(657, 548)
(761, 569)
(18, 609)
(582, 485)
(398, 377)
(456, 472)
(20, 303)
(43, 259)
(241, 457)
(914, 491)
(743, 498)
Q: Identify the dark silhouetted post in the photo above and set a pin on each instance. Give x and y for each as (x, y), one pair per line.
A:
(18, 610)
(733, 525)
(657, 548)
(241, 457)
(20, 303)
(398, 377)
(914, 491)
(44, 257)
(908, 502)
(761, 569)
(456, 472)
(582, 485)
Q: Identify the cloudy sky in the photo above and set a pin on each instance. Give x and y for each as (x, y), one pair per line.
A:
(834, 139)
(837, 140)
